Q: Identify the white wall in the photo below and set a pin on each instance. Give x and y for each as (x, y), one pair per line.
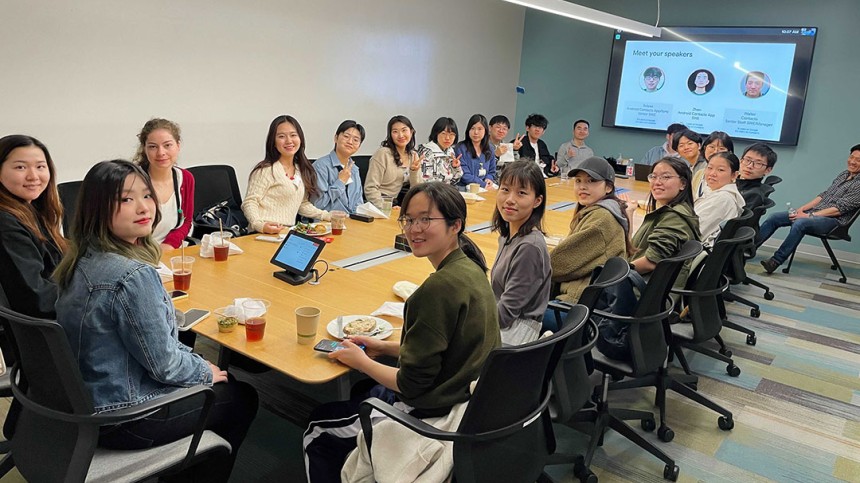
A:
(83, 76)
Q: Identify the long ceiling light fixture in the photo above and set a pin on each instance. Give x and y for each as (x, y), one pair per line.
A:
(578, 12)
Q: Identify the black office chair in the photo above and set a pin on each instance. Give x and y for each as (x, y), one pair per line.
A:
(840, 232)
(57, 431)
(506, 433)
(574, 380)
(738, 275)
(363, 163)
(7, 463)
(649, 343)
(68, 192)
(703, 302)
(214, 184)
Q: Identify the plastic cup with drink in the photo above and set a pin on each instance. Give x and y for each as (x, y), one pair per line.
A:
(338, 222)
(387, 203)
(221, 244)
(181, 267)
(255, 318)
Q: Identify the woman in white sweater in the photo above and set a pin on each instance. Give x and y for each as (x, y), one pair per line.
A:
(721, 200)
(281, 185)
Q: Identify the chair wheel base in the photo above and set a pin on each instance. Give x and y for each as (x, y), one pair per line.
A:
(784, 270)
(671, 472)
(843, 280)
(733, 370)
(726, 352)
(751, 339)
(725, 423)
(768, 295)
(665, 434)
(648, 424)
(755, 313)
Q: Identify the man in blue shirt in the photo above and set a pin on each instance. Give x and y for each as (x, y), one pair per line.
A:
(337, 175)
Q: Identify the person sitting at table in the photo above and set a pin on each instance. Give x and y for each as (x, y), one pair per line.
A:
(450, 326)
(281, 185)
(716, 142)
(721, 200)
(688, 144)
(438, 160)
(599, 230)
(669, 217)
(757, 162)
(30, 214)
(535, 148)
(159, 145)
(338, 178)
(31, 245)
(476, 157)
(831, 208)
(387, 174)
(521, 272)
(121, 326)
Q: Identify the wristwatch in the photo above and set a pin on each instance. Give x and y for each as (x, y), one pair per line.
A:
(811, 214)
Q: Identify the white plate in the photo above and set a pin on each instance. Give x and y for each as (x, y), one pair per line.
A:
(326, 232)
(380, 324)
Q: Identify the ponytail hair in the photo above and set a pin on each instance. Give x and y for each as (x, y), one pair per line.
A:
(452, 205)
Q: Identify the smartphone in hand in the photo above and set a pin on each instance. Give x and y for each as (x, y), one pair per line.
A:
(327, 345)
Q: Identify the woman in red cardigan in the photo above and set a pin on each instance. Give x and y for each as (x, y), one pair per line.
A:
(160, 142)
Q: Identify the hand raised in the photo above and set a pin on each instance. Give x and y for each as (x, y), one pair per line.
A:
(518, 141)
(455, 162)
(416, 162)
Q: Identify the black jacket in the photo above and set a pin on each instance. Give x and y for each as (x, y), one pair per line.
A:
(27, 267)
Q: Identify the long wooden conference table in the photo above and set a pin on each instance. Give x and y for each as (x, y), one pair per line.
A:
(363, 267)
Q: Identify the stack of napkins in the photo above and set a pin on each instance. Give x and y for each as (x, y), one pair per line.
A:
(245, 311)
(206, 250)
(164, 272)
(370, 210)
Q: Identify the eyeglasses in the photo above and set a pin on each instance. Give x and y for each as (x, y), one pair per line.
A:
(751, 162)
(421, 223)
(664, 178)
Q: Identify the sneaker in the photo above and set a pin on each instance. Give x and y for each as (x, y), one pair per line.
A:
(770, 265)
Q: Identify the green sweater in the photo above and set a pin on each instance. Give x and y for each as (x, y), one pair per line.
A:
(450, 326)
(595, 236)
(663, 232)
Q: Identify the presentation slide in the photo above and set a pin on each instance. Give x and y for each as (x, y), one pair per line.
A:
(297, 252)
(740, 88)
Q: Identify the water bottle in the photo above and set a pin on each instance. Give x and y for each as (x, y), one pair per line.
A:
(791, 211)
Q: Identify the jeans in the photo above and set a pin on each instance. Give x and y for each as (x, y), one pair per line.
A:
(818, 225)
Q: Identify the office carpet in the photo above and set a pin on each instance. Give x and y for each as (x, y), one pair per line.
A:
(796, 402)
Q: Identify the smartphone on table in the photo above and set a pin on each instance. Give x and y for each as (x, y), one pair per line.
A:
(178, 295)
(193, 317)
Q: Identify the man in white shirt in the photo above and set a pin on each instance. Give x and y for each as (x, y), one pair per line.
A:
(573, 152)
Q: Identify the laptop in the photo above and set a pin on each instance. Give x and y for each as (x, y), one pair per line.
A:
(641, 172)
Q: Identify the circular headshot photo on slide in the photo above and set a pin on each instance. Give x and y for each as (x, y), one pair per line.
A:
(755, 84)
(700, 82)
(652, 79)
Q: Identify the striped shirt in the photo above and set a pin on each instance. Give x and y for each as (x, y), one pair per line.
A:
(844, 194)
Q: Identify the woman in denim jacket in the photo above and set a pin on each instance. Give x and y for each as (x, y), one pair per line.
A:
(121, 324)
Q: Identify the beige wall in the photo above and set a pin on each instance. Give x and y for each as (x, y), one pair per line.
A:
(83, 76)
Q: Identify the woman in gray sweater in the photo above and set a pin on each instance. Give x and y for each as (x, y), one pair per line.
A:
(521, 272)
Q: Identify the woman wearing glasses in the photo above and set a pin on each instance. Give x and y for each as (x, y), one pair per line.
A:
(450, 326)
(599, 230)
(669, 220)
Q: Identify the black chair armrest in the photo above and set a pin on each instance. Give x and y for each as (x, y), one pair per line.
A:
(560, 306)
(428, 431)
(127, 414)
(633, 320)
(704, 293)
(192, 241)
